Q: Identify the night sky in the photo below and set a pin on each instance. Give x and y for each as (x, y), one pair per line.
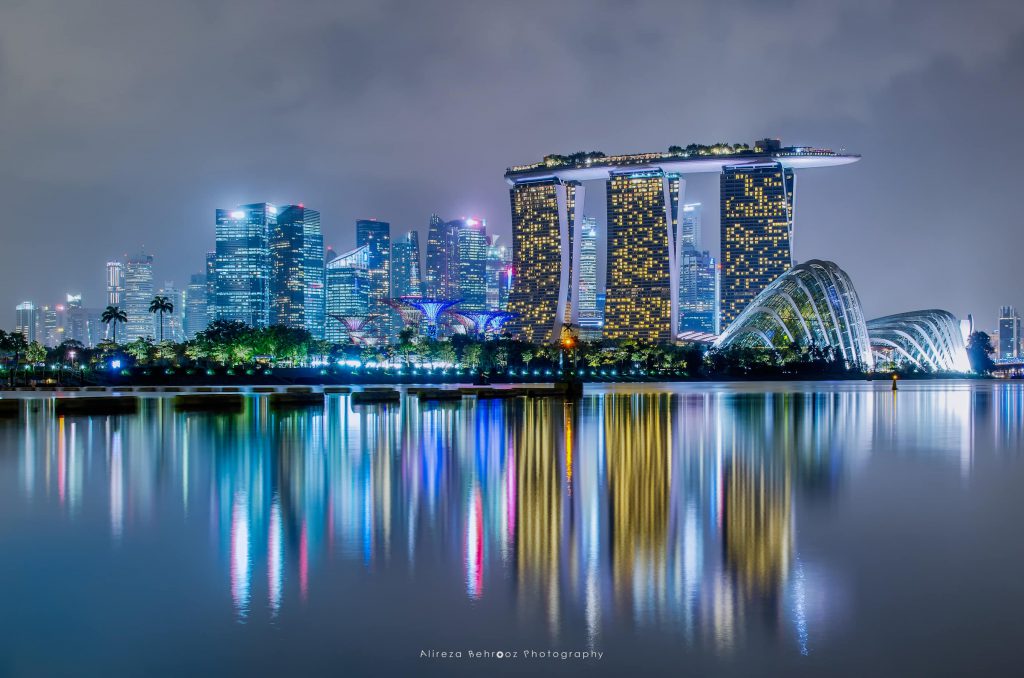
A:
(125, 123)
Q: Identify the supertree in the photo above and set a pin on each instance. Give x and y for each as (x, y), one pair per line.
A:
(481, 322)
(432, 309)
(358, 327)
(411, 315)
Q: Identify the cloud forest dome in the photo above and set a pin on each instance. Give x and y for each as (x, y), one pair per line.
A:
(929, 339)
(813, 304)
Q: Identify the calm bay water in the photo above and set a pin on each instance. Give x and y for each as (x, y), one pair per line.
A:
(740, 529)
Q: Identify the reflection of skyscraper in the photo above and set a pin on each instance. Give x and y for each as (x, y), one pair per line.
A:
(542, 211)
(589, 320)
(1009, 332)
(757, 523)
(243, 263)
(405, 266)
(757, 232)
(471, 242)
(347, 291)
(639, 285)
(138, 293)
(376, 237)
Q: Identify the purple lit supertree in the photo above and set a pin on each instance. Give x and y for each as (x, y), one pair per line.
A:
(411, 315)
(357, 326)
(432, 309)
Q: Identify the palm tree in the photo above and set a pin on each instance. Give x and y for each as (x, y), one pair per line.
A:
(113, 314)
(161, 305)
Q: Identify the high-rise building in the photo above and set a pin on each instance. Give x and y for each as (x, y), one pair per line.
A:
(589, 321)
(174, 325)
(1009, 333)
(757, 231)
(689, 227)
(698, 292)
(347, 292)
(405, 266)
(376, 237)
(196, 318)
(757, 200)
(698, 277)
(499, 274)
(297, 284)
(640, 286)
(436, 281)
(211, 287)
(471, 274)
(26, 319)
(542, 210)
(138, 294)
(243, 269)
(115, 283)
(82, 324)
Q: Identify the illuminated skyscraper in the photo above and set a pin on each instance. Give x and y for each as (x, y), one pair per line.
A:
(243, 268)
(698, 277)
(645, 240)
(542, 211)
(499, 274)
(376, 237)
(641, 285)
(589, 319)
(196, 318)
(138, 293)
(25, 320)
(436, 281)
(347, 291)
(471, 243)
(757, 231)
(1009, 333)
(174, 326)
(211, 287)
(297, 283)
(115, 283)
(82, 324)
(405, 266)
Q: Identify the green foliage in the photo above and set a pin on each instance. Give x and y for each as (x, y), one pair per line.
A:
(979, 352)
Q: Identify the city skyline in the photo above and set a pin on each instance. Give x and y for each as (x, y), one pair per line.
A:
(908, 108)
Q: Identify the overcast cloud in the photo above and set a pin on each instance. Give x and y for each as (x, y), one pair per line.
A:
(125, 123)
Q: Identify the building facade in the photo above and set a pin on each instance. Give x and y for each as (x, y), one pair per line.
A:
(471, 274)
(196, 317)
(115, 283)
(348, 285)
(138, 294)
(376, 237)
(590, 321)
(243, 264)
(436, 280)
(542, 210)
(499, 274)
(641, 285)
(405, 266)
(757, 232)
(26, 318)
(1009, 333)
(297, 269)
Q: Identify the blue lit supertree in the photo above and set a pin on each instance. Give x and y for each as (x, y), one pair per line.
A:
(481, 322)
(432, 309)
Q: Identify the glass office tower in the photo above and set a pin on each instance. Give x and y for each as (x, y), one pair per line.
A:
(243, 265)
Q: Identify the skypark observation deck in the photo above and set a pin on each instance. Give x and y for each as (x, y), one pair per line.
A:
(643, 239)
(596, 166)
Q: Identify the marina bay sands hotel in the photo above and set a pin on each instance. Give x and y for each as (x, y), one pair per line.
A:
(644, 247)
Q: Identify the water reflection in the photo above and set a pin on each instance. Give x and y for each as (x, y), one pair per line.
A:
(675, 511)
